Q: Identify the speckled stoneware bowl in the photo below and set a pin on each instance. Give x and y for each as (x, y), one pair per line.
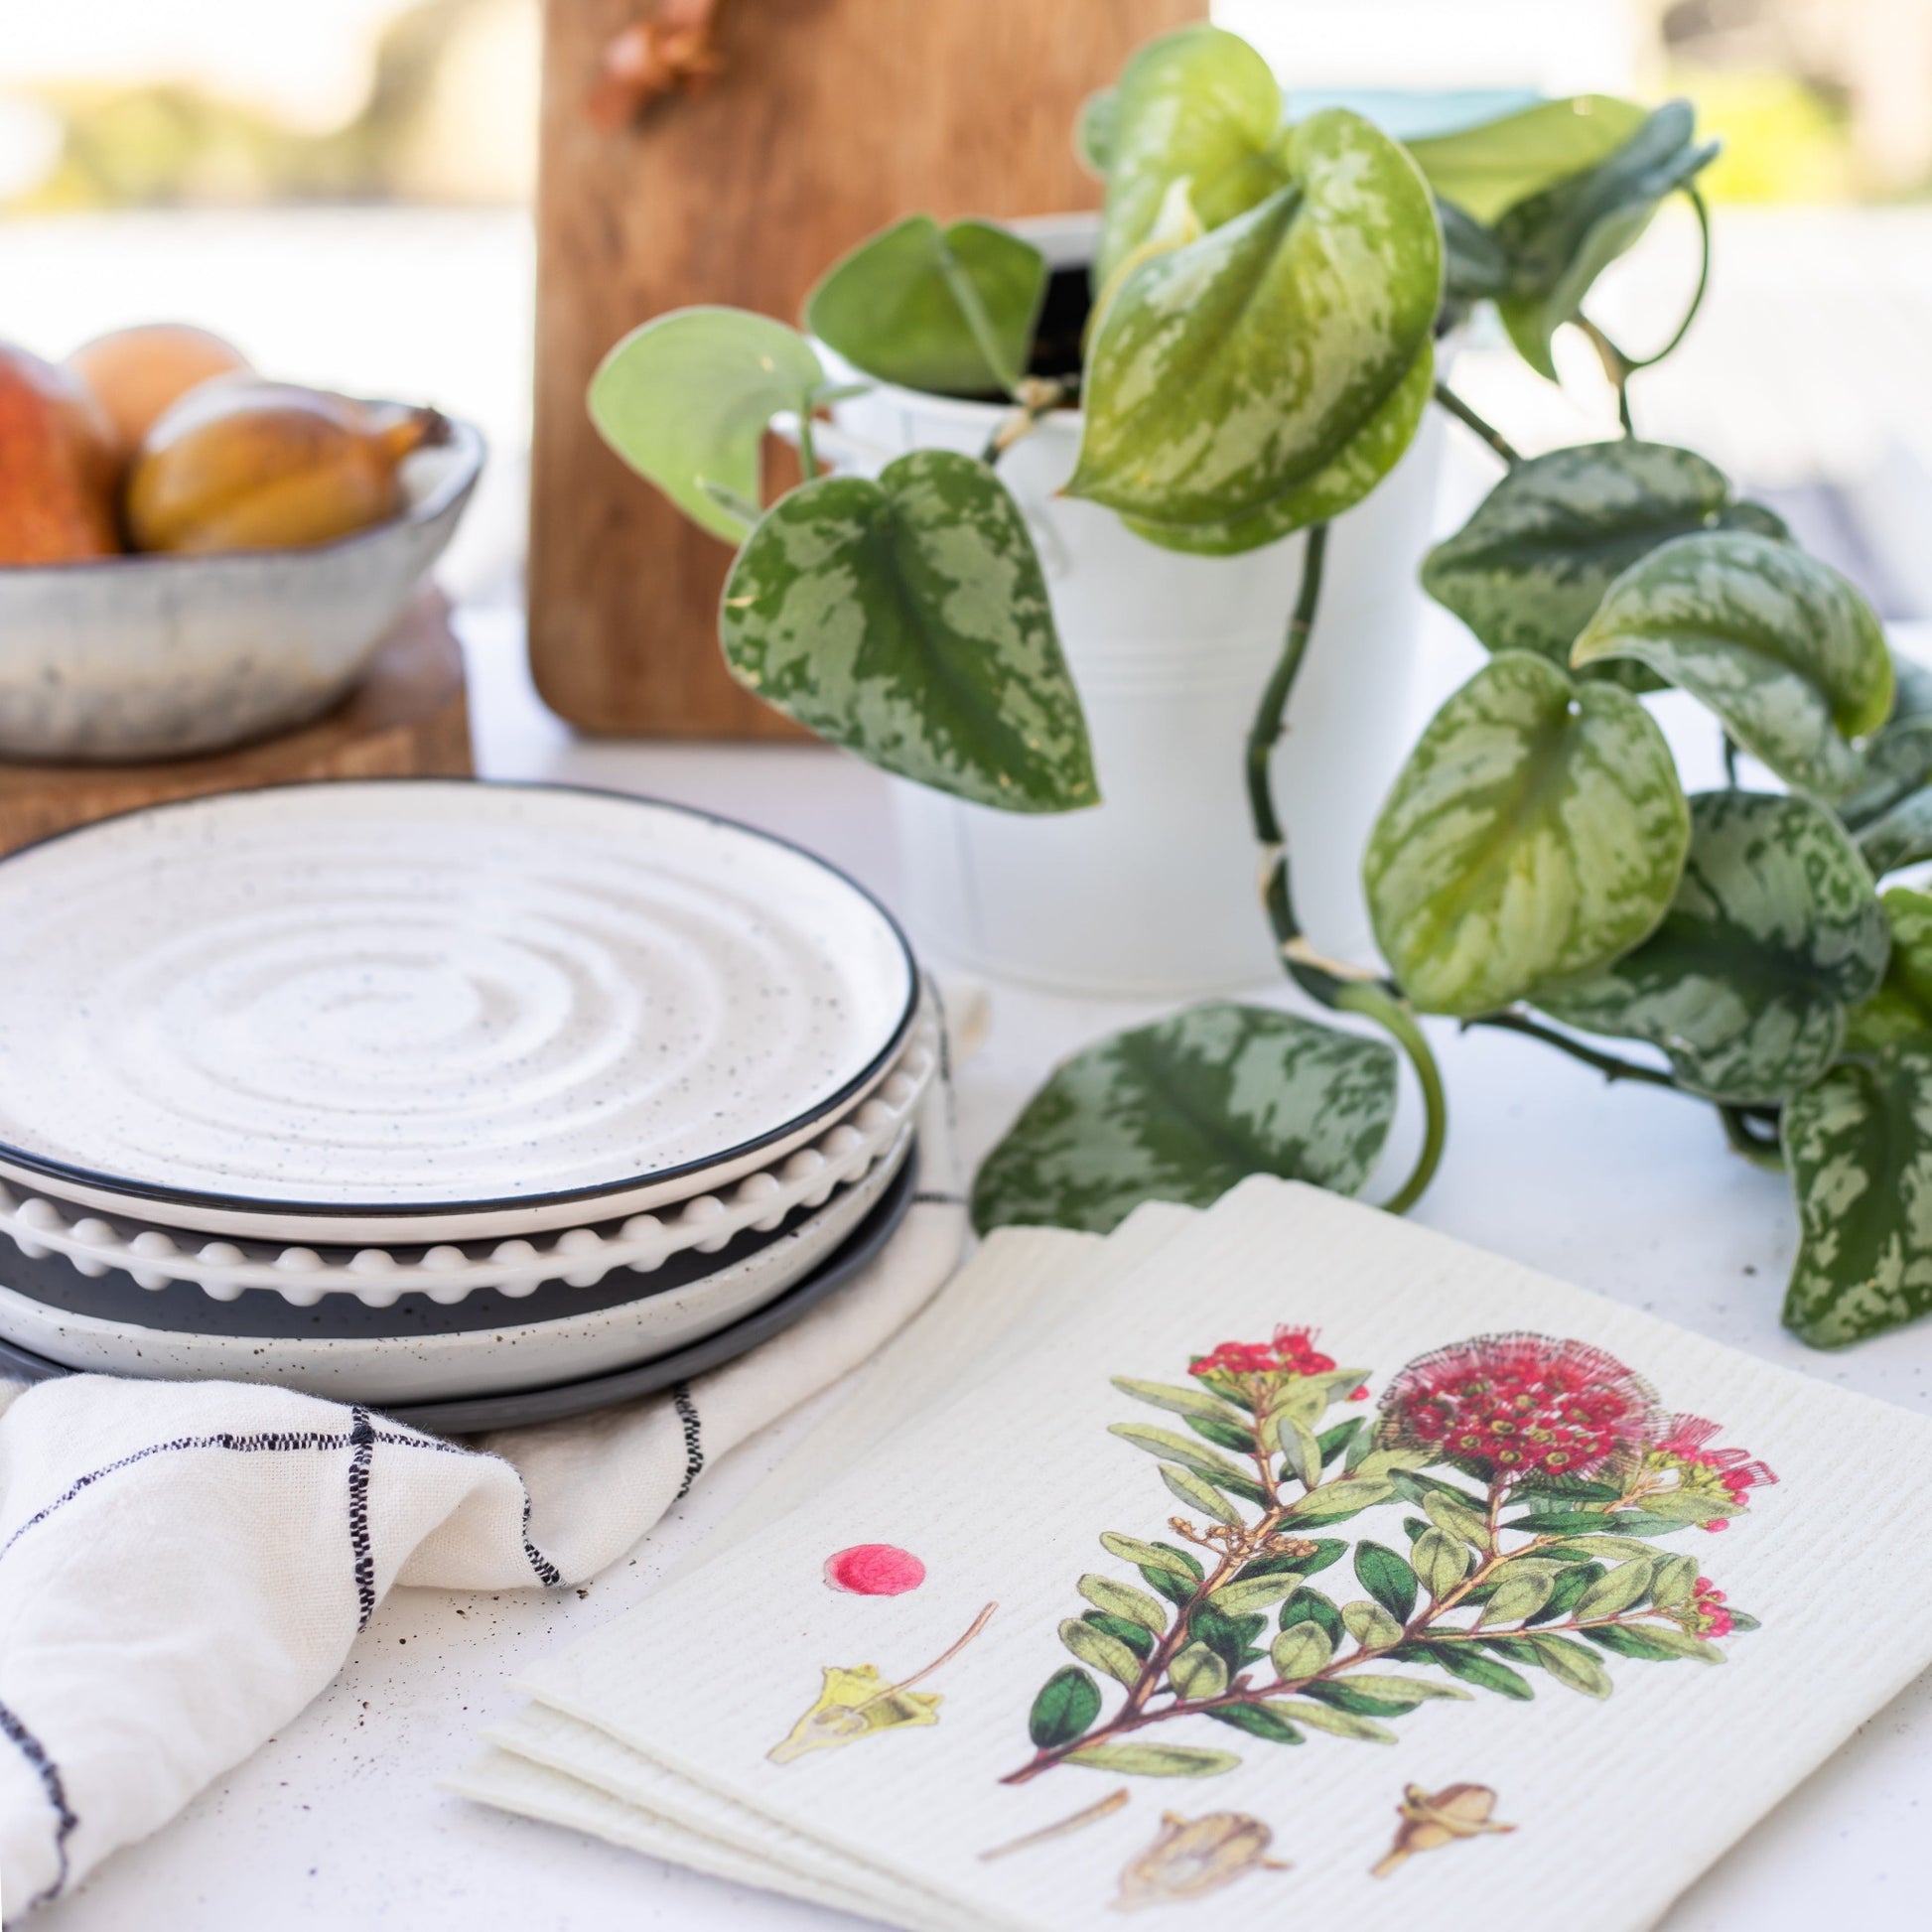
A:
(132, 658)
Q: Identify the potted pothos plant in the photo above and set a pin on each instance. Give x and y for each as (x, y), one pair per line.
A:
(1267, 297)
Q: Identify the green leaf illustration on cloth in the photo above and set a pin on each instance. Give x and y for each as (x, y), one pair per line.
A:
(1183, 1109)
(908, 620)
(1492, 1594)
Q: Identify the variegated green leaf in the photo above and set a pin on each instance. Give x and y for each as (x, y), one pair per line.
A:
(1488, 167)
(1778, 644)
(1198, 105)
(1230, 374)
(1775, 934)
(892, 307)
(1858, 1145)
(1124, 1601)
(1474, 267)
(1093, 132)
(1530, 567)
(1899, 837)
(1368, 455)
(1183, 1109)
(1901, 1009)
(908, 620)
(1560, 239)
(1101, 1652)
(1536, 832)
(685, 401)
(1898, 759)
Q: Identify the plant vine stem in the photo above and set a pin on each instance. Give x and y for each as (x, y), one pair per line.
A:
(1466, 416)
(1616, 367)
(1745, 1140)
(1730, 760)
(808, 464)
(1334, 987)
(1612, 1070)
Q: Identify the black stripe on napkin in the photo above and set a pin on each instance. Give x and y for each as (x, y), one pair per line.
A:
(34, 1752)
(360, 1466)
(687, 1415)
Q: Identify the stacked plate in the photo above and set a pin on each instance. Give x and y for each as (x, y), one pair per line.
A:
(476, 1102)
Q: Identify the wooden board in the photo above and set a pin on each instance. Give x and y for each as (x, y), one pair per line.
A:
(832, 119)
(408, 718)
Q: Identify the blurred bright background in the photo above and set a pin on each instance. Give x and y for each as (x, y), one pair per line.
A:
(342, 187)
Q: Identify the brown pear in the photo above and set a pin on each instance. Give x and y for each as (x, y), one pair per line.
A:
(57, 466)
(136, 373)
(261, 466)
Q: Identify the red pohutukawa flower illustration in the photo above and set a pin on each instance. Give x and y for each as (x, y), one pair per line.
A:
(1681, 1463)
(1519, 1404)
(1521, 1493)
(1292, 1352)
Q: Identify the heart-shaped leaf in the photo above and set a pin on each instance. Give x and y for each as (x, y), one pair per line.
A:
(1530, 567)
(1777, 643)
(899, 306)
(1858, 1145)
(1899, 760)
(1186, 1108)
(1229, 374)
(1558, 241)
(686, 399)
(1369, 455)
(1901, 1009)
(908, 620)
(1775, 933)
(1536, 832)
(1198, 105)
(1492, 166)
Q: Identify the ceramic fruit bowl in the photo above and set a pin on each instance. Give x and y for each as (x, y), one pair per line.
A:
(126, 659)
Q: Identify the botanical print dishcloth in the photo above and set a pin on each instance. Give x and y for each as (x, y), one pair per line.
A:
(183, 1565)
(546, 1764)
(1468, 1592)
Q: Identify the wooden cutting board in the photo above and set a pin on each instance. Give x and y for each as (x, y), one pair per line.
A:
(408, 718)
(831, 118)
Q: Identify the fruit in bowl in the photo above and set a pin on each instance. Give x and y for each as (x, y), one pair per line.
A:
(137, 373)
(57, 465)
(279, 532)
(264, 466)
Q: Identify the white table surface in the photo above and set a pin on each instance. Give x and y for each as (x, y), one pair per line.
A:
(336, 1822)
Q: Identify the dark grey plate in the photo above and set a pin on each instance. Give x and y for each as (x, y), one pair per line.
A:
(512, 1411)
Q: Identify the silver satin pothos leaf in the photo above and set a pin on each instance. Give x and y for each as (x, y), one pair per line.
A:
(1901, 1009)
(1230, 374)
(1778, 644)
(908, 620)
(1184, 1108)
(1198, 105)
(1858, 1145)
(1775, 935)
(1536, 833)
(1529, 569)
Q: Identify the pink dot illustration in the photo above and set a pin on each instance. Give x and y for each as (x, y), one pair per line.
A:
(874, 1569)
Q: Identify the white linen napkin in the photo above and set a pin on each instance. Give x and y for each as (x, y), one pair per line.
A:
(183, 1565)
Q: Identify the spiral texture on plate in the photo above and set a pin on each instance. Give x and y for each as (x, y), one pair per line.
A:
(414, 995)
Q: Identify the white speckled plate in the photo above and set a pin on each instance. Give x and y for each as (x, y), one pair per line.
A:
(419, 1010)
